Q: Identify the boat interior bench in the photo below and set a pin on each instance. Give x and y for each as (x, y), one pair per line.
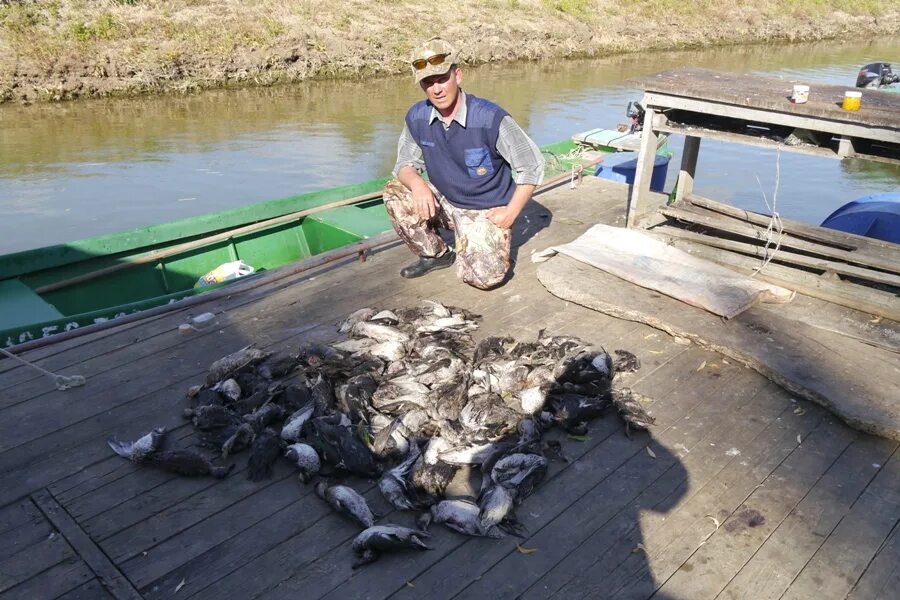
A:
(19, 305)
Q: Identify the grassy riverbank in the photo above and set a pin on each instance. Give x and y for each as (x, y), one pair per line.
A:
(63, 49)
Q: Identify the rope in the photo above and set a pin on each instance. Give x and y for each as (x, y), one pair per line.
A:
(775, 223)
(61, 381)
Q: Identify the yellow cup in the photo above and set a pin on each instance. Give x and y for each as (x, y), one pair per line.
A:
(851, 100)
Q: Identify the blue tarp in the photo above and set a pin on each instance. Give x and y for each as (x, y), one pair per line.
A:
(876, 216)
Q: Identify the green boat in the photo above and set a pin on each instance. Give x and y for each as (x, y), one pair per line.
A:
(59, 288)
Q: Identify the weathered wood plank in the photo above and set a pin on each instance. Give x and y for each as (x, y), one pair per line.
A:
(838, 239)
(711, 567)
(855, 381)
(92, 590)
(55, 581)
(762, 253)
(269, 552)
(840, 561)
(881, 578)
(87, 550)
(771, 570)
(717, 221)
(613, 543)
(206, 534)
(178, 516)
(18, 539)
(18, 513)
(35, 558)
(669, 539)
(110, 470)
(843, 293)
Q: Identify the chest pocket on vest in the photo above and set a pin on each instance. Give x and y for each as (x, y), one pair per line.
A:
(478, 162)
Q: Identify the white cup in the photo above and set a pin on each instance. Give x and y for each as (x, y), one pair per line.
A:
(801, 94)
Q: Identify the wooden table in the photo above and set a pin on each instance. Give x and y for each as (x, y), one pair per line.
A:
(750, 109)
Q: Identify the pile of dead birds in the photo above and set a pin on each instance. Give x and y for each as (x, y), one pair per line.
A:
(408, 398)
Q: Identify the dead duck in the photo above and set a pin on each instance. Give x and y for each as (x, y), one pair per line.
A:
(521, 472)
(347, 502)
(372, 542)
(266, 448)
(293, 425)
(572, 412)
(393, 484)
(138, 450)
(305, 458)
(628, 405)
(463, 516)
(186, 462)
(233, 362)
(625, 362)
(340, 446)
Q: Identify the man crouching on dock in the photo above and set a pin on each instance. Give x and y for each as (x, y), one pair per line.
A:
(470, 148)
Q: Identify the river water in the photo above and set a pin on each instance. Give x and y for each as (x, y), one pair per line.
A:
(71, 171)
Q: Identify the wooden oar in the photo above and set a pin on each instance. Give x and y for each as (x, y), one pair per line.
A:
(159, 254)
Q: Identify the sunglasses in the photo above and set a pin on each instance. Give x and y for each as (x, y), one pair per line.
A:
(421, 63)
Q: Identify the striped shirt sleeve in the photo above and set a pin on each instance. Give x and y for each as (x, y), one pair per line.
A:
(408, 152)
(522, 154)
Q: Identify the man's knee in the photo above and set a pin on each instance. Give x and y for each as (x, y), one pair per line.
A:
(484, 280)
(395, 191)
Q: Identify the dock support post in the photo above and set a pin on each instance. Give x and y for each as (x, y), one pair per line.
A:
(684, 186)
(845, 147)
(640, 190)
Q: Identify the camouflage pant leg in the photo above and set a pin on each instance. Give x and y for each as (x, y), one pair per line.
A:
(421, 236)
(482, 248)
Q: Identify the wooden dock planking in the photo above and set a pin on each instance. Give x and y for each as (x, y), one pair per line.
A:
(671, 542)
(881, 577)
(616, 541)
(841, 560)
(710, 568)
(276, 538)
(59, 579)
(784, 554)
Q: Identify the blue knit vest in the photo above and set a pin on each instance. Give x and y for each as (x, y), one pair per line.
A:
(463, 162)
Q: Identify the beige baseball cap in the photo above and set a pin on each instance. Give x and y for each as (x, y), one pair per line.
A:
(434, 57)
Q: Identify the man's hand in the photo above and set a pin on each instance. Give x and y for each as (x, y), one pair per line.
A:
(424, 202)
(503, 216)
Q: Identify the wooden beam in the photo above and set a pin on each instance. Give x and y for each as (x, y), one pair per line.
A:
(847, 294)
(660, 101)
(834, 238)
(685, 184)
(639, 195)
(751, 231)
(113, 580)
(789, 257)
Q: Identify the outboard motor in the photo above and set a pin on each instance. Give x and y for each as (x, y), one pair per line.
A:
(876, 75)
(635, 112)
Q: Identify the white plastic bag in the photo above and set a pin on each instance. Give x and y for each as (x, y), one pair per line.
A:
(225, 272)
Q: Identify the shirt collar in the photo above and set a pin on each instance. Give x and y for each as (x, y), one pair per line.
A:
(459, 116)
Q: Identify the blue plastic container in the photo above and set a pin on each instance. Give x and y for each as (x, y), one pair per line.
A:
(622, 166)
(876, 216)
